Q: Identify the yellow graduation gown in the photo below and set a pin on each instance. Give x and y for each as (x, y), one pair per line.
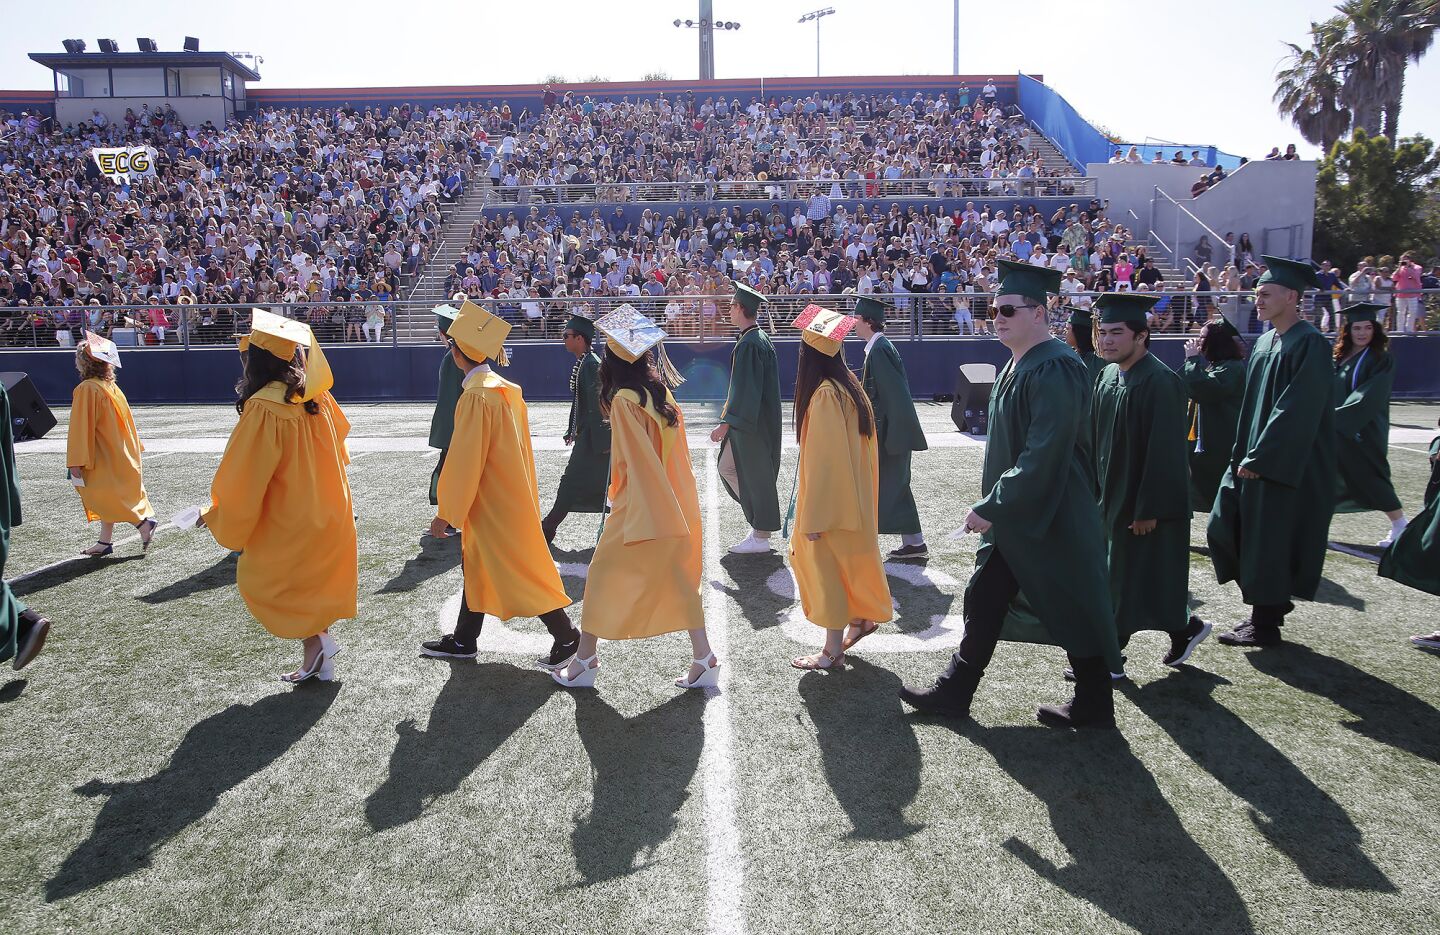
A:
(280, 497)
(644, 579)
(488, 491)
(104, 442)
(840, 575)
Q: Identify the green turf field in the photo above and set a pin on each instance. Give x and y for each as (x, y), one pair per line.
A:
(156, 777)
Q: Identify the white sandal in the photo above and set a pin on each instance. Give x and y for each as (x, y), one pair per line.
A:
(709, 676)
(585, 678)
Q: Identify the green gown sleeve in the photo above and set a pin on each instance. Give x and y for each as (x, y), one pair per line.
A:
(1288, 435)
(742, 405)
(1370, 397)
(1023, 493)
(590, 427)
(1162, 490)
(897, 424)
(1209, 385)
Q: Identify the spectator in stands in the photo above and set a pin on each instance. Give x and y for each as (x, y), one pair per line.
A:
(1408, 315)
(1330, 290)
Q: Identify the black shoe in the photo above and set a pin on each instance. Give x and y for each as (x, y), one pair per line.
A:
(911, 551)
(560, 654)
(1248, 634)
(1094, 701)
(949, 696)
(31, 638)
(1069, 672)
(446, 647)
(1182, 644)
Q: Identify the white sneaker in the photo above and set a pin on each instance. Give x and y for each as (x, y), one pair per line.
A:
(752, 545)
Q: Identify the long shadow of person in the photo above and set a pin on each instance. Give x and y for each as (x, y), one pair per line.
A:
(1386, 714)
(1129, 854)
(760, 606)
(436, 556)
(1334, 593)
(219, 575)
(1296, 816)
(215, 755)
(70, 570)
(477, 710)
(643, 766)
(871, 757)
(918, 600)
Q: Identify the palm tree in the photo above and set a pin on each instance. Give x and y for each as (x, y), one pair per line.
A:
(1309, 92)
(1382, 37)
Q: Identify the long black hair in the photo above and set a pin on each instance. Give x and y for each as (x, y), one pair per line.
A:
(1084, 338)
(263, 367)
(816, 367)
(643, 376)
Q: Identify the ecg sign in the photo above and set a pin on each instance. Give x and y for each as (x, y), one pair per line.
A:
(120, 164)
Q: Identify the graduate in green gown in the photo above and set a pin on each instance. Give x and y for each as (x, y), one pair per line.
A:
(442, 422)
(22, 630)
(1364, 374)
(1138, 414)
(582, 487)
(1268, 529)
(1080, 335)
(1214, 379)
(749, 429)
(1041, 543)
(1414, 558)
(897, 429)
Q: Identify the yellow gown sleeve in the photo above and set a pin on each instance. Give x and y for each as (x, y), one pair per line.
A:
(337, 419)
(237, 495)
(651, 508)
(80, 442)
(465, 459)
(522, 428)
(829, 482)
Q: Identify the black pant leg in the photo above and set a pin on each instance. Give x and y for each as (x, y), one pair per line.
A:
(1270, 615)
(987, 601)
(559, 625)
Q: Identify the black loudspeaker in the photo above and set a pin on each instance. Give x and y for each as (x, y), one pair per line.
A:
(971, 409)
(29, 416)
(192, 44)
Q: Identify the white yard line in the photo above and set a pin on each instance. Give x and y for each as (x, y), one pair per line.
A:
(724, 864)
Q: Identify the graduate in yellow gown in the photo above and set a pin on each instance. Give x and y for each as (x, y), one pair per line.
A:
(644, 579)
(834, 545)
(488, 491)
(103, 448)
(280, 497)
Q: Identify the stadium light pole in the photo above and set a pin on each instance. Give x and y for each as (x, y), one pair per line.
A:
(956, 63)
(817, 15)
(707, 26)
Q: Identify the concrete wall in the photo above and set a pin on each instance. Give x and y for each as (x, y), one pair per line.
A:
(192, 110)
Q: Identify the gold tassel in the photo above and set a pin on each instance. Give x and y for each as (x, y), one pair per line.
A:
(668, 374)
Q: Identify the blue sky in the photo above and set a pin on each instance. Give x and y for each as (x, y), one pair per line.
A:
(1189, 72)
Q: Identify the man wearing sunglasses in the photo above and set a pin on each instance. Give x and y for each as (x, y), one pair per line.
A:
(1040, 573)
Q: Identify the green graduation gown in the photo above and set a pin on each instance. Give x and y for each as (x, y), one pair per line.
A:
(1270, 534)
(1141, 471)
(10, 606)
(1094, 364)
(1362, 433)
(752, 410)
(1039, 486)
(897, 428)
(1215, 392)
(1414, 559)
(442, 422)
(582, 487)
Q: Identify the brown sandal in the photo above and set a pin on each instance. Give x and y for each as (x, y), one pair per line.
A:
(813, 662)
(863, 632)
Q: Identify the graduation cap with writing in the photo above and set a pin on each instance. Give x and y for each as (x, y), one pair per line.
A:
(1033, 282)
(479, 334)
(282, 337)
(1129, 307)
(870, 309)
(628, 334)
(444, 317)
(101, 349)
(823, 328)
(1292, 274)
(1361, 311)
(581, 325)
(749, 299)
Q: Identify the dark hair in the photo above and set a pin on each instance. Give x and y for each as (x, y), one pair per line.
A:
(814, 368)
(642, 376)
(263, 367)
(1344, 343)
(1137, 328)
(1217, 343)
(1084, 338)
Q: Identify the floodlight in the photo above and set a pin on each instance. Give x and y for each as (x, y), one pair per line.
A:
(147, 45)
(74, 46)
(192, 44)
(109, 46)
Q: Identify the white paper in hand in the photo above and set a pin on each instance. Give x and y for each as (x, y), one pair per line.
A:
(187, 518)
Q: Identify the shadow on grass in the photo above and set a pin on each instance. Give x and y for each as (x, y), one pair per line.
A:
(758, 605)
(1129, 854)
(12, 689)
(1333, 593)
(476, 711)
(219, 575)
(67, 571)
(860, 727)
(1387, 714)
(436, 557)
(643, 767)
(918, 600)
(1296, 816)
(215, 755)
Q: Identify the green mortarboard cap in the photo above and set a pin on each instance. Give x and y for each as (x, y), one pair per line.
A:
(1125, 306)
(870, 309)
(1223, 326)
(749, 299)
(1080, 318)
(444, 315)
(1033, 282)
(1292, 274)
(581, 325)
(1363, 311)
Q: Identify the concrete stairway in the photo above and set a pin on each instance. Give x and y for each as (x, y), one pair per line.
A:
(413, 321)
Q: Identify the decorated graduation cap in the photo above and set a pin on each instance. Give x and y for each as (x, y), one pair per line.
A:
(749, 299)
(101, 349)
(479, 334)
(628, 334)
(582, 326)
(1033, 282)
(282, 337)
(1292, 274)
(1363, 311)
(823, 328)
(870, 309)
(444, 317)
(1129, 307)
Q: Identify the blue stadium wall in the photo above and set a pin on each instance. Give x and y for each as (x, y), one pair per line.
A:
(379, 373)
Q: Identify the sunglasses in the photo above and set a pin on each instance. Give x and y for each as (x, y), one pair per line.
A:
(1008, 311)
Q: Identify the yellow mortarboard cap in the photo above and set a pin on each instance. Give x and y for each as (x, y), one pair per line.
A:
(102, 349)
(823, 329)
(481, 335)
(281, 337)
